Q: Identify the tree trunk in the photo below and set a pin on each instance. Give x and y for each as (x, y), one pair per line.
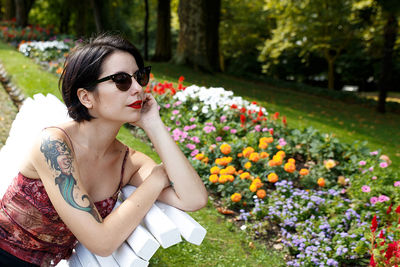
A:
(198, 43)
(65, 16)
(386, 77)
(163, 39)
(97, 15)
(330, 59)
(22, 8)
(80, 20)
(9, 9)
(146, 26)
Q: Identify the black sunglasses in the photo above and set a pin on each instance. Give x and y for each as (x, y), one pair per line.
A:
(123, 80)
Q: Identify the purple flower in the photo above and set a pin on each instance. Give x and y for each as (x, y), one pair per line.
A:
(192, 119)
(362, 163)
(373, 200)
(383, 164)
(397, 183)
(178, 123)
(365, 188)
(218, 139)
(191, 146)
(175, 111)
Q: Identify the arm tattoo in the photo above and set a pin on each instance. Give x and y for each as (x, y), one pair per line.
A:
(58, 156)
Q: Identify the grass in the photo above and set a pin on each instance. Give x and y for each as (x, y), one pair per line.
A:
(349, 122)
(224, 244)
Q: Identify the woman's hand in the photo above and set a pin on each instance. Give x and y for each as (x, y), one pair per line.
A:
(149, 113)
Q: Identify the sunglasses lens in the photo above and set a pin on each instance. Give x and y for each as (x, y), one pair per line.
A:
(123, 81)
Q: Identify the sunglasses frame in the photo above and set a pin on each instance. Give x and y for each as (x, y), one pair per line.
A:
(145, 71)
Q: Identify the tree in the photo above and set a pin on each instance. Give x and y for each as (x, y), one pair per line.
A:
(163, 38)
(9, 9)
(323, 27)
(198, 43)
(22, 8)
(146, 27)
(96, 5)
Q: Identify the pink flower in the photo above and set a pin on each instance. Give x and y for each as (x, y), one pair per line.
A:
(172, 118)
(175, 111)
(257, 128)
(195, 139)
(226, 128)
(265, 129)
(167, 105)
(186, 128)
(222, 119)
(365, 188)
(397, 183)
(192, 119)
(209, 124)
(383, 164)
(194, 153)
(362, 163)
(209, 129)
(191, 146)
(373, 153)
(374, 178)
(373, 200)
(233, 131)
(218, 139)
(383, 198)
(193, 126)
(177, 103)
(282, 142)
(371, 169)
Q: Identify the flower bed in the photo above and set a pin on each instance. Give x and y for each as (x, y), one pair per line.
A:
(321, 193)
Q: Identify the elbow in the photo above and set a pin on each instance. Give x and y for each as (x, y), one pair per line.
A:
(201, 203)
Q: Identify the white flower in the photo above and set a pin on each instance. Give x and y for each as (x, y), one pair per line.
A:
(243, 227)
(195, 108)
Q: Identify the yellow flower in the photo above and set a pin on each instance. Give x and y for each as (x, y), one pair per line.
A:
(281, 154)
(222, 179)
(263, 145)
(225, 149)
(289, 167)
(236, 197)
(254, 157)
(214, 170)
(213, 178)
(253, 188)
(272, 177)
(247, 151)
(292, 160)
(247, 165)
(245, 175)
(321, 182)
(230, 169)
(264, 155)
(341, 180)
(329, 164)
(304, 172)
(199, 156)
(257, 182)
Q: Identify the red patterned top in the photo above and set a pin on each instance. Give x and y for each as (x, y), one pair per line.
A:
(30, 227)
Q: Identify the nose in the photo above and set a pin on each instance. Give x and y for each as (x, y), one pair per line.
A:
(135, 88)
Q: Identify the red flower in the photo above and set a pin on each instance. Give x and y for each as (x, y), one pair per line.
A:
(254, 103)
(374, 224)
(372, 261)
(271, 131)
(234, 106)
(284, 120)
(389, 209)
(242, 118)
(243, 110)
(260, 113)
(276, 115)
(392, 247)
(181, 79)
(398, 210)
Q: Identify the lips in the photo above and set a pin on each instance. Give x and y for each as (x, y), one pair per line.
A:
(136, 105)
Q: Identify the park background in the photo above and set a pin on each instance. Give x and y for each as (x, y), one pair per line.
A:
(327, 74)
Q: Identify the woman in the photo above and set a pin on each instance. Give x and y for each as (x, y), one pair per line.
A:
(70, 181)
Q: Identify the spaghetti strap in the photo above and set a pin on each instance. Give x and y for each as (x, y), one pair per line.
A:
(122, 170)
(65, 132)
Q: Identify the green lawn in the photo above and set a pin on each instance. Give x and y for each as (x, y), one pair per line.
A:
(224, 244)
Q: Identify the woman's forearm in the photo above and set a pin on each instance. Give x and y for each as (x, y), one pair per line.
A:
(187, 184)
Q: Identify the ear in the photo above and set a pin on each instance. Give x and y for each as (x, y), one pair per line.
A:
(85, 97)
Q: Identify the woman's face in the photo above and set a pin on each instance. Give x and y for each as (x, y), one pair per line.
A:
(111, 103)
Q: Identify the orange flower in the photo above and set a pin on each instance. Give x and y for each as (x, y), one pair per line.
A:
(223, 171)
(264, 155)
(281, 154)
(253, 188)
(254, 157)
(240, 155)
(225, 149)
(244, 175)
(261, 193)
(59, 70)
(199, 156)
(213, 178)
(263, 145)
(240, 171)
(269, 140)
(272, 177)
(341, 180)
(271, 163)
(321, 182)
(292, 160)
(289, 167)
(223, 161)
(230, 178)
(214, 170)
(236, 197)
(278, 147)
(230, 169)
(304, 172)
(257, 182)
(247, 165)
(247, 151)
(205, 160)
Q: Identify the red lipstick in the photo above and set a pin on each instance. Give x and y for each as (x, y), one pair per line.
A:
(136, 105)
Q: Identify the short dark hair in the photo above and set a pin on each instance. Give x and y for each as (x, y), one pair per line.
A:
(83, 66)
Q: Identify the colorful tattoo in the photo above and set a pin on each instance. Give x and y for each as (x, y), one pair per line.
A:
(58, 156)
